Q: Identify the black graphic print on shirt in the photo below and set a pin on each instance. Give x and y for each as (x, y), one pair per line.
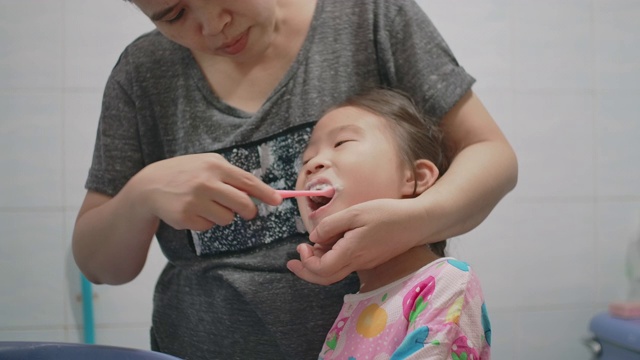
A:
(275, 162)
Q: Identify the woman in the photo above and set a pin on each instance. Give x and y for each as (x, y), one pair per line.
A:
(212, 109)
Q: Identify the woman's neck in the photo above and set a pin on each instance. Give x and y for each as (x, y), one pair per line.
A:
(247, 84)
(396, 268)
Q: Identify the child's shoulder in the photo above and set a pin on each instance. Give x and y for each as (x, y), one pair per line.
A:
(446, 265)
(445, 283)
(448, 269)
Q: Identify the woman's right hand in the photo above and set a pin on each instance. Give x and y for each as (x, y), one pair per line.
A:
(112, 235)
(199, 191)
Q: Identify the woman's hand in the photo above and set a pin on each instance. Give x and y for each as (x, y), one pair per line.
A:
(112, 235)
(199, 191)
(360, 237)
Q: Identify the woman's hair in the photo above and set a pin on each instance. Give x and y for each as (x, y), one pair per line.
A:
(417, 135)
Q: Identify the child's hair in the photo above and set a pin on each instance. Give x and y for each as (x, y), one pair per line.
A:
(418, 136)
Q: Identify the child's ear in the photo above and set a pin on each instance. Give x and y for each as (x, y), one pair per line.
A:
(423, 176)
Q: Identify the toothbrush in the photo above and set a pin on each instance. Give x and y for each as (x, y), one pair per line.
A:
(326, 192)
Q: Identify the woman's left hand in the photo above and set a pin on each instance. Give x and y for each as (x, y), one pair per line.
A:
(360, 237)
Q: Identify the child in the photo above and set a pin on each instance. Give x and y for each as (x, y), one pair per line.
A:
(419, 304)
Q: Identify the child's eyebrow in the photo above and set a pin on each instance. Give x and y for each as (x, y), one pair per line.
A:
(344, 128)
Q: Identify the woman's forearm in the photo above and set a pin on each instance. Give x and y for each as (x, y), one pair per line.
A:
(478, 178)
(112, 236)
(483, 170)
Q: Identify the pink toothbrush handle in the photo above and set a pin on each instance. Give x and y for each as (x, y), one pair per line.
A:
(294, 193)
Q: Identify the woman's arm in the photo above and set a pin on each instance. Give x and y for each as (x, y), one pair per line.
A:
(112, 236)
(484, 169)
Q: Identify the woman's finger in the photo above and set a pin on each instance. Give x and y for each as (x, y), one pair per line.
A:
(231, 199)
(320, 267)
(216, 213)
(299, 269)
(251, 185)
(333, 227)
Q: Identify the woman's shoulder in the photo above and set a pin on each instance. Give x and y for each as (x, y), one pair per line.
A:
(376, 8)
(152, 47)
(372, 4)
(153, 40)
(150, 54)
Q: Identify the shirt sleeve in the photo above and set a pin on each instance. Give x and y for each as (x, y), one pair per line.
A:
(416, 59)
(448, 318)
(117, 153)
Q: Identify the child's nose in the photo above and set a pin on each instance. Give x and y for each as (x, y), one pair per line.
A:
(316, 165)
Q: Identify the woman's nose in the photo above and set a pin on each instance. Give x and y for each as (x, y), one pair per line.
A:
(214, 20)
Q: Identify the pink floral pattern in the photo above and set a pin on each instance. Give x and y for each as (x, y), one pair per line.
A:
(436, 313)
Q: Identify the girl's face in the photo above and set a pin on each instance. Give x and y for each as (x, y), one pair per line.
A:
(230, 28)
(354, 152)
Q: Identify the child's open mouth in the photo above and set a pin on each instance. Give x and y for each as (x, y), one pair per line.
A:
(316, 202)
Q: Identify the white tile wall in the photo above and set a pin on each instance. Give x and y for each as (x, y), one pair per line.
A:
(31, 38)
(31, 149)
(33, 335)
(617, 155)
(617, 44)
(504, 334)
(553, 44)
(32, 270)
(556, 334)
(618, 224)
(95, 32)
(561, 78)
(554, 140)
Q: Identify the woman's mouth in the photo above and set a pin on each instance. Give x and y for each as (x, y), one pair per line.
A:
(236, 45)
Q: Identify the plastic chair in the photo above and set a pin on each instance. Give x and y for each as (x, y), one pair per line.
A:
(19, 350)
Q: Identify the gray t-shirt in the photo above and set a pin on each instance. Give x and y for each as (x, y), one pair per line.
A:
(226, 292)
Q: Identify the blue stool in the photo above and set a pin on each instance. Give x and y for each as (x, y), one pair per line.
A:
(615, 338)
(23, 350)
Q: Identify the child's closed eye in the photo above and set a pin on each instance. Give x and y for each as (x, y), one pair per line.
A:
(341, 142)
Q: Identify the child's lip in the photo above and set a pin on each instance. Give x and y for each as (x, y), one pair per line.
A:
(315, 182)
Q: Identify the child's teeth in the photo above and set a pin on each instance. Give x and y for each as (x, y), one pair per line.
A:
(320, 187)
